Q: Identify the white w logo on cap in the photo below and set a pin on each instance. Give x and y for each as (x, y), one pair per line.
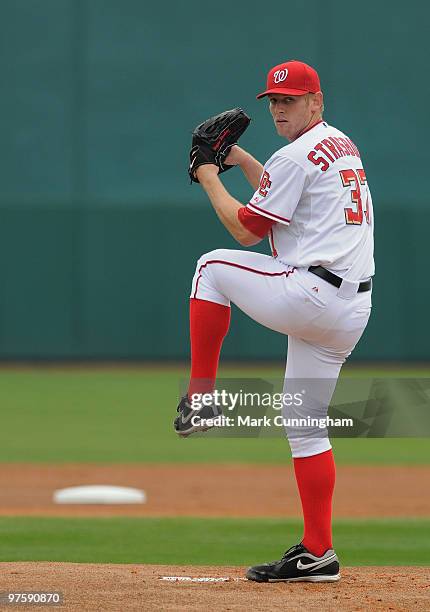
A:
(280, 75)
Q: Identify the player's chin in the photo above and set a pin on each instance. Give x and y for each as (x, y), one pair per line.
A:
(282, 129)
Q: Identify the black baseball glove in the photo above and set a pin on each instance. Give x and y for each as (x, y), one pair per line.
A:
(213, 139)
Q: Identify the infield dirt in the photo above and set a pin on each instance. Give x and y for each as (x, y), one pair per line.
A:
(215, 491)
(138, 587)
(209, 491)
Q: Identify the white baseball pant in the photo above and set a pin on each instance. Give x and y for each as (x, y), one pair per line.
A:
(323, 323)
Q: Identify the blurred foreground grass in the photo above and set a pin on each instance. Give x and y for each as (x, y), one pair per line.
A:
(190, 541)
(125, 414)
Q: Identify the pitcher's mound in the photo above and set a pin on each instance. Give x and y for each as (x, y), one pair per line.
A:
(145, 587)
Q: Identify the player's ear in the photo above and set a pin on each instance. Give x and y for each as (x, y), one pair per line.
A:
(318, 101)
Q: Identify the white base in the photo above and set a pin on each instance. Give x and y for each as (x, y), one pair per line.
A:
(99, 494)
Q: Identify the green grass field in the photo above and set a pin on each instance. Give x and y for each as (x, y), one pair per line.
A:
(120, 415)
(192, 541)
(125, 415)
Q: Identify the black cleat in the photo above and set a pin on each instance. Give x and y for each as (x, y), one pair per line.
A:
(185, 424)
(297, 565)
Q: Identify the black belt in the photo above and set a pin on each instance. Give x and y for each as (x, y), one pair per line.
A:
(336, 280)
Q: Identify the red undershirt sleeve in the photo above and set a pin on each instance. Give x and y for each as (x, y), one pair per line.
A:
(254, 222)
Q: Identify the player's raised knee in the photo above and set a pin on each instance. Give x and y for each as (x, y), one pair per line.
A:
(213, 256)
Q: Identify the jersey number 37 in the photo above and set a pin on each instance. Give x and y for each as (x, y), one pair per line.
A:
(355, 179)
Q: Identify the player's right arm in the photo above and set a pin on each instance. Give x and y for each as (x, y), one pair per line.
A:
(251, 167)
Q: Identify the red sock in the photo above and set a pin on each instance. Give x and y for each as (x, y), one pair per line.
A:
(209, 323)
(315, 478)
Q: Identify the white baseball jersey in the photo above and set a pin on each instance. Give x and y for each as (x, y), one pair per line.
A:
(316, 191)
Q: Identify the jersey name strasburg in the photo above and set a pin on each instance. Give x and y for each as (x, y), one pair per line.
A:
(315, 190)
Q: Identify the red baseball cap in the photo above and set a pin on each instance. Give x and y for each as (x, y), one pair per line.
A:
(292, 78)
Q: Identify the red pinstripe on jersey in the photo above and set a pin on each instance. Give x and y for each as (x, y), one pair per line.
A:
(272, 243)
(267, 213)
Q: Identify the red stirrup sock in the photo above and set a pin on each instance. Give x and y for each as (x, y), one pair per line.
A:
(209, 323)
(315, 477)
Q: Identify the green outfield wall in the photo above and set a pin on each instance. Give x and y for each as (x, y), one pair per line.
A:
(99, 227)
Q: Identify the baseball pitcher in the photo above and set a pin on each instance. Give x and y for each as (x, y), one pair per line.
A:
(312, 201)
